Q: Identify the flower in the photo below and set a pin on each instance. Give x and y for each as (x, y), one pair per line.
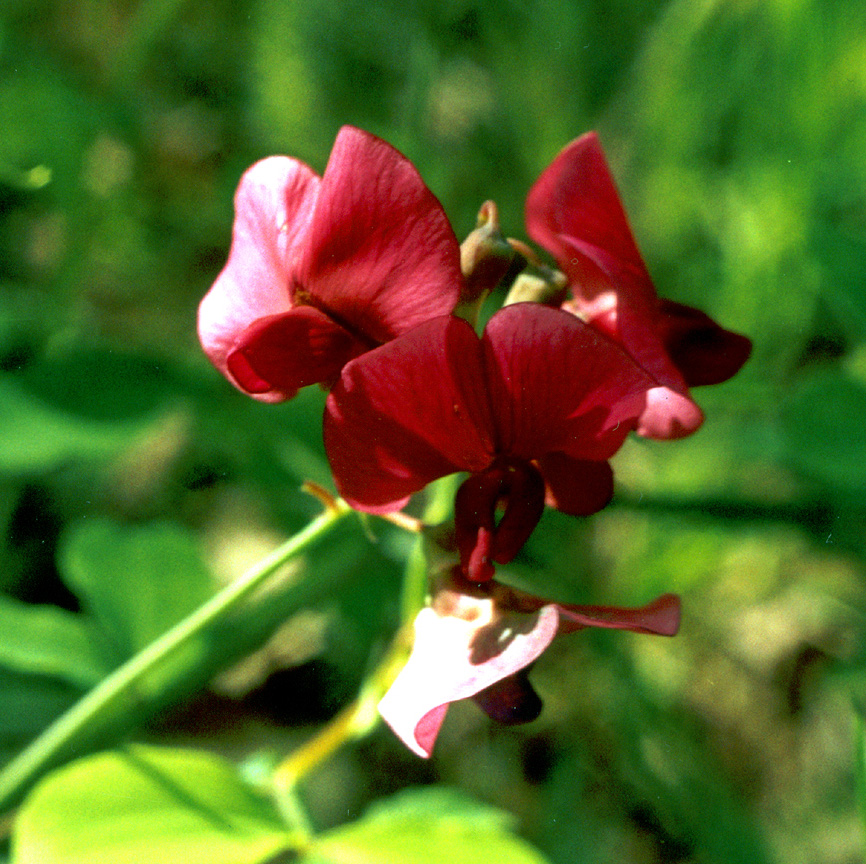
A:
(479, 640)
(322, 269)
(574, 211)
(533, 410)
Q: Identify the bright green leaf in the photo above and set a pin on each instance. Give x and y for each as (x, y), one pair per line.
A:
(137, 580)
(47, 640)
(144, 805)
(419, 826)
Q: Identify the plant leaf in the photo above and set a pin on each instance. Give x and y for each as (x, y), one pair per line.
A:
(137, 581)
(422, 825)
(147, 804)
(48, 640)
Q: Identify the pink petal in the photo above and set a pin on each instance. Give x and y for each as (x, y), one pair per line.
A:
(382, 256)
(455, 658)
(558, 385)
(669, 415)
(408, 412)
(282, 353)
(273, 207)
(576, 486)
(661, 617)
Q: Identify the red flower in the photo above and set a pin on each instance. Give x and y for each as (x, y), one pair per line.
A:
(477, 641)
(532, 409)
(323, 269)
(574, 212)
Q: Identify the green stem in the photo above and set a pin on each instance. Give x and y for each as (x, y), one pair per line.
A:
(43, 753)
(361, 716)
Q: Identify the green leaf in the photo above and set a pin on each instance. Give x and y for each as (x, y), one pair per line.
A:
(136, 580)
(35, 437)
(860, 762)
(28, 703)
(147, 804)
(422, 825)
(85, 404)
(823, 425)
(47, 640)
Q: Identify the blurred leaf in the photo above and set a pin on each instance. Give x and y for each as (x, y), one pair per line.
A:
(88, 404)
(28, 703)
(164, 806)
(422, 825)
(860, 763)
(34, 437)
(823, 424)
(47, 640)
(47, 124)
(98, 384)
(137, 581)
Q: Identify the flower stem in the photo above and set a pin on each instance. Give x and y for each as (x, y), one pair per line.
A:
(361, 716)
(354, 721)
(47, 750)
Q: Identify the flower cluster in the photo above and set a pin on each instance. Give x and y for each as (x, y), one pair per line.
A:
(356, 281)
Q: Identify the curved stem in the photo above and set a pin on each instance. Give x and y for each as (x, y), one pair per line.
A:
(43, 753)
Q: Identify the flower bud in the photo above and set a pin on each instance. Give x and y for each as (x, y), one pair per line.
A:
(485, 256)
(536, 283)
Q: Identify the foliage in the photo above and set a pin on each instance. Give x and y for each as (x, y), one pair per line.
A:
(136, 484)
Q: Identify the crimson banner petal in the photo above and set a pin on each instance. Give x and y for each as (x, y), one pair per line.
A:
(382, 256)
(406, 413)
(558, 385)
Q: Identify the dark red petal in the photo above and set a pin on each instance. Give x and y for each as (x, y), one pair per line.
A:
(382, 256)
(524, 505)
(558, 385)
(283, 353)
(475, 522)
(273, 206)
(408, 412)
(704, 352)
(510, 701)
(576, 197)
(446, 664)
(661, 617)
(519, 489)
(576, 486)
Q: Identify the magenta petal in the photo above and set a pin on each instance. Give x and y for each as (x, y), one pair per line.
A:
(558, 385)
(273, 207)
(574, 211)
(282, 353)
(408, 412)
(661, 617)
(382, 256)
(576, 197)
(576, 486)
(454, 658)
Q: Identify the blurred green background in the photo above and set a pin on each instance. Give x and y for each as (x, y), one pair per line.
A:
(132, 474)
